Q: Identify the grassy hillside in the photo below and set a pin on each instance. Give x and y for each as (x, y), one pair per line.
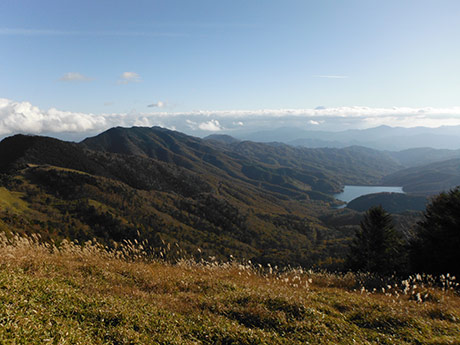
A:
(88, 295)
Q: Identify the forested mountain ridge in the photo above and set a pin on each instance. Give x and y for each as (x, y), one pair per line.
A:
(423, 171)
(280, 165)
(428, 179)
(19, 151)
(391, 202)
(264, 202)
(64, 190)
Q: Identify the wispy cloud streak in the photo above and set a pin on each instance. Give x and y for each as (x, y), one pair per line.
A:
(331, 76)
(53, 32)
(74, 77)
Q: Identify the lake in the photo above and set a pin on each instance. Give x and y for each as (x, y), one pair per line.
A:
(352, 192)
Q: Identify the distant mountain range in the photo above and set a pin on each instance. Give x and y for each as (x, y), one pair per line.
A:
(276, 167)
(380, 138)
(268, 202)
(251, 200)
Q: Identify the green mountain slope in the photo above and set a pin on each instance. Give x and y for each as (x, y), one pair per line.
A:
(114, 197)
(351, 165)
(391, 202)
(428, 179)
(274, 167)
(255, 201)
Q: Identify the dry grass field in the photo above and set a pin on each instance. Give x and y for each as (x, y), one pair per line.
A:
(86, 294)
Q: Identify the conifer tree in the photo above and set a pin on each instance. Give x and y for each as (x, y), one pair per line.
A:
(436, 247)
(377, 246)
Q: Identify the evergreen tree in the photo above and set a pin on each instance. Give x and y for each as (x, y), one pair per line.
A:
(436, 247)
(377, 246)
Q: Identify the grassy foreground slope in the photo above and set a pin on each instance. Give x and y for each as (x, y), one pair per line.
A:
(86, 295)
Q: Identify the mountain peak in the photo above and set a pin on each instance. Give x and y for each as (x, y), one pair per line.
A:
(222, 138)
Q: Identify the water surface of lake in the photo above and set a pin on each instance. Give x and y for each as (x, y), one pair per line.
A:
(352, 192)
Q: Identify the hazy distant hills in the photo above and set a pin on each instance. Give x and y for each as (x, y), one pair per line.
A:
(428, 179)
(422, 170)
(423, 155)
(380, 138)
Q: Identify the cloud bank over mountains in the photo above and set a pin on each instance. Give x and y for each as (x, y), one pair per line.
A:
(23, 117)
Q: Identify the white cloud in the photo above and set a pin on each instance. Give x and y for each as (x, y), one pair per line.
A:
(158, 104)
(141, 121)
(23, 117)
(191, 124)
(74, 76)
(213, 126)
(129, 77)
(358, 112)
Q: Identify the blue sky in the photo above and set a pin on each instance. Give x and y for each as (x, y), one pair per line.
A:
(146, 60)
